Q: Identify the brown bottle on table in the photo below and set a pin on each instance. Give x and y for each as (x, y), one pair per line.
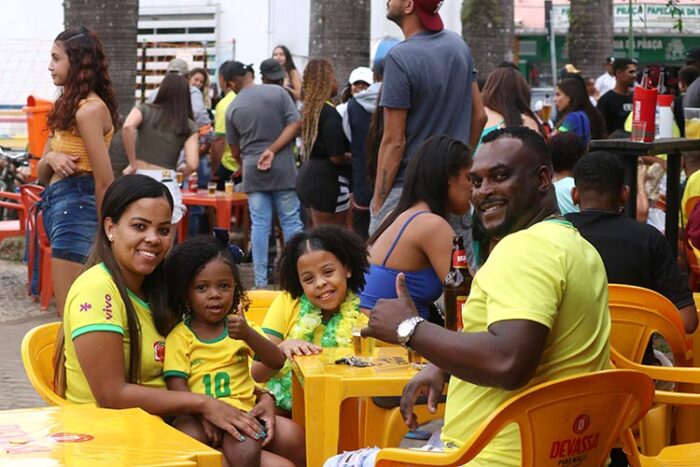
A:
(457, 285)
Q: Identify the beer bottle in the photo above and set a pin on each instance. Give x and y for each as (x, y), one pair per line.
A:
(661, 88)
(645, 79)
(457, 285)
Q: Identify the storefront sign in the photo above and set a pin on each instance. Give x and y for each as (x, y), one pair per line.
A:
(647, 49)
(646, 17)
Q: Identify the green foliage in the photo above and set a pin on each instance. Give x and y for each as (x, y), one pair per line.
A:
(675, 11)
(482, 12)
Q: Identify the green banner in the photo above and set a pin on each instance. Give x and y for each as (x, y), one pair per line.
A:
(667, 50)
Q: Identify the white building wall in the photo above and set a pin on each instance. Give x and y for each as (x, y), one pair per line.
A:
(254, 26)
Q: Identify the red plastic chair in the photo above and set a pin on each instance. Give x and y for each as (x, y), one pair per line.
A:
(12, 228)
(31, 194)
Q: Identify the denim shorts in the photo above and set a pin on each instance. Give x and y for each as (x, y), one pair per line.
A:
(70, 217)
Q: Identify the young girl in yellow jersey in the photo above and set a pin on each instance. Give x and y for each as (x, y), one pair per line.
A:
(208, 353)
(321, 271)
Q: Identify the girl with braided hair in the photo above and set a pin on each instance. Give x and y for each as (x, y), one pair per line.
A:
(324, 180)
(75, 166)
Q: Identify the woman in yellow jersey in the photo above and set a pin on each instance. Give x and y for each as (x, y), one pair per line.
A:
(75, 166)
(115, 317)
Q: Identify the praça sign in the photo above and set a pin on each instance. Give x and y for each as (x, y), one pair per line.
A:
(647, 49)
(646, 17)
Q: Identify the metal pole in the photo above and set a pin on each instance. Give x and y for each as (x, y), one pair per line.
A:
(630, 37)
(552, 39)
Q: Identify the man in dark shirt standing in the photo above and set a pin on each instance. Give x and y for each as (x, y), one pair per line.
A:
(633, 253)
(616, 104)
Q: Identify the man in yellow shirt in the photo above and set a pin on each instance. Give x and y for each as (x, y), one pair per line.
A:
(537, 310)
(691, 167)
(222, 162)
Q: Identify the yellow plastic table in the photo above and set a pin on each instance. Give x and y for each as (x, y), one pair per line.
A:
(84, 435)
(319, 386)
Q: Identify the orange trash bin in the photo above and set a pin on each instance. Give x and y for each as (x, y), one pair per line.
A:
(37, 111)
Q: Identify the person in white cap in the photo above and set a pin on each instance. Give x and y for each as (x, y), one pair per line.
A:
(606, 81)
(360, 79)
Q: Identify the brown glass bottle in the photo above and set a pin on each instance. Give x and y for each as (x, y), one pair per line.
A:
(457, 285)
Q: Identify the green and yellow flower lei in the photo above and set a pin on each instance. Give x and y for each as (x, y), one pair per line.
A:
(338, 333)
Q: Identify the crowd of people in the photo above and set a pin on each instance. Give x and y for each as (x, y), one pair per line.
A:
(368, 196)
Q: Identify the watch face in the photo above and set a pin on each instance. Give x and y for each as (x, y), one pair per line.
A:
(405, 328)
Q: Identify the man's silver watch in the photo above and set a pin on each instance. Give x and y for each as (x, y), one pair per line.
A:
(406, 329)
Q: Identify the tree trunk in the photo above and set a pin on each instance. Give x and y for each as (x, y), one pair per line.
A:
(116, 23)
(590, 38)
(339, 32)
(489, 29)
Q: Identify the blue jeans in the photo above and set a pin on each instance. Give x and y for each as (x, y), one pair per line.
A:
(260, 205)
(70, 217)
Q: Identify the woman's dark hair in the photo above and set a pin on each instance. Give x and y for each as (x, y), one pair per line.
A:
(566, 149)
(688, 74)
(185, 261)
(346, 94)
(87, 72)
(174, 105)
(436, 160)
(342, 243)
(118, 197)
(288, 61)
(506, 92)
(575, 90)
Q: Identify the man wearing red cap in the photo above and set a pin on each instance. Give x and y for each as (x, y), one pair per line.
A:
(429, 88)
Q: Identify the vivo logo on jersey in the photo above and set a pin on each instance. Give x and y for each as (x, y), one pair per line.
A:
(108, 306)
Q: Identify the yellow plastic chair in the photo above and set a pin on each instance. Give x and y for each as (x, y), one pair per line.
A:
(637, 314)
(572, 411)
(682, 454)
(37, 358)
(260, 301)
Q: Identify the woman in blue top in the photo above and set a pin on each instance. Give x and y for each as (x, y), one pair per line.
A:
(575, 113)
(416, 238)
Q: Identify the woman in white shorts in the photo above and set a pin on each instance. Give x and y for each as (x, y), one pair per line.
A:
(164, 128)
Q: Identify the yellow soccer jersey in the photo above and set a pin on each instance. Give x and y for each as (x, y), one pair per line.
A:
(548, 274)
(227, 159)
(284, 314)
(93, 304)
(218, 367)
